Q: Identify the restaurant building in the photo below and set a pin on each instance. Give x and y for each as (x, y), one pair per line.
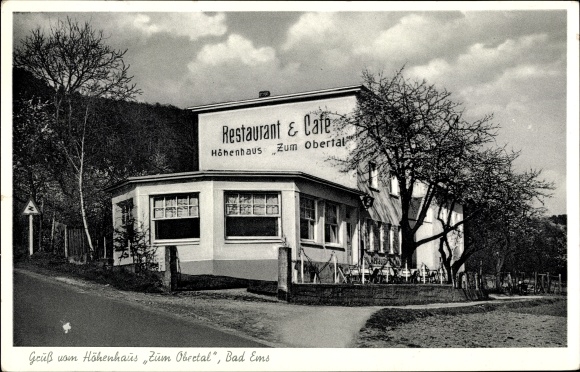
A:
(267, 176)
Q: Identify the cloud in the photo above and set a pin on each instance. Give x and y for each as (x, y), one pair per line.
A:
(236, 48)
(523, 69)
(310, 28)
(236, 69)
(193, 25)
(414, 38)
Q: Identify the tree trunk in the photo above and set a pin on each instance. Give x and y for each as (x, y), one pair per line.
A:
(408, 245)
(454, 271)
(498, 268)
(83, 212)
(446, 260)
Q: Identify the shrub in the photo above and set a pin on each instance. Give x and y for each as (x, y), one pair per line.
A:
(143, 281)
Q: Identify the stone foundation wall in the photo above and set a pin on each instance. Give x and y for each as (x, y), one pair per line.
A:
(378, 294)
(263, 287)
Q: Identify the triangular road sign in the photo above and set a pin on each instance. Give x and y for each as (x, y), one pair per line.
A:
(31, 208)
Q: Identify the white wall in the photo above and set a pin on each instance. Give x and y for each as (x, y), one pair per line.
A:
(292, 134)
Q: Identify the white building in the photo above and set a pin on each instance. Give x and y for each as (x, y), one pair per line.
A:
(266, 175)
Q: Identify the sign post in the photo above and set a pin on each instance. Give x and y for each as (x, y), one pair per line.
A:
(30, 210)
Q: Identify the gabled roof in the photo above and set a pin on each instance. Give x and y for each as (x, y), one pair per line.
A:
(273, 100)
(233, 175)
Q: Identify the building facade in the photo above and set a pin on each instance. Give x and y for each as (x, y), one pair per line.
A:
(269, 174)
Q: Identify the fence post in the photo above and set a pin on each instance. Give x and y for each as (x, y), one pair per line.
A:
(52, 234)
(476, 281)
(170, 273)
(334, 262)
(535, 282)
(284, 272)
(560, 284)
(40, 248)
(65, 240)
(301, 266)
(549, 281)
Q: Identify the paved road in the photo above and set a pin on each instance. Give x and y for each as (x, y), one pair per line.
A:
(42, 307)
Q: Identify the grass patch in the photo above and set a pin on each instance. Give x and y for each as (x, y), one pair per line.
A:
(386, 319)
(225, 295)
(49, 264)
(203, 282)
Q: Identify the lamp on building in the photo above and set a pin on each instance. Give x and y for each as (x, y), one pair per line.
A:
(368, 201)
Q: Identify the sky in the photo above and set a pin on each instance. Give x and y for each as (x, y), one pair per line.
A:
(512, 63)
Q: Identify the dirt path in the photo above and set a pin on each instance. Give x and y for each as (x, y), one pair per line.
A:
(319, 326)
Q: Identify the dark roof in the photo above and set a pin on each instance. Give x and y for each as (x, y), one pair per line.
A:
(231, 174)
(274, 100)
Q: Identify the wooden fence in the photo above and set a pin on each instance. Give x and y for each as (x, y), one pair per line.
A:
(76, 243)
(529, 283)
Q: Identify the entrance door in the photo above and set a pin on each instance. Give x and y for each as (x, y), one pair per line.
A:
(350, 233)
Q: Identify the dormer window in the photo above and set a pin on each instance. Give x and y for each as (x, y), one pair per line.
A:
(373, 176)
(394, 186)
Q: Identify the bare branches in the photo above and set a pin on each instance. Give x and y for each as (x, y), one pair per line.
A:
(72, 58)
(418, 133)
(74, 61)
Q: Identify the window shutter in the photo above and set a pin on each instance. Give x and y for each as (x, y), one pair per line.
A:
(396, 239)
(376, 236)
(386, 239)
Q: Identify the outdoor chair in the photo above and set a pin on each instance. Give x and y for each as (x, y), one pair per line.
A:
(522, 288)
(387, 275)
(353, 274)
(406, 275)
(424, 272)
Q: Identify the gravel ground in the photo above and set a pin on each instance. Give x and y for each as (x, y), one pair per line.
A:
(527, 326)
(285, 325)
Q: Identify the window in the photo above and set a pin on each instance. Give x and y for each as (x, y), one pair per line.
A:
(394, 186)
(373, 235)
(126, 209)
(176, 216)
(307, 218)
(252, 214)
(330, 223)
(369, 238)
(349, 238)
(400, 245)
(125, 223)
(392, 240)
(373, 176)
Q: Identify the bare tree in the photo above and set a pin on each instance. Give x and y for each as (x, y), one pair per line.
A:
(498, 207)
(417, 134)
(75, 62)
(507, 221)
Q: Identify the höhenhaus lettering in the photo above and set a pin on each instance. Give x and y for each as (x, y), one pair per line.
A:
(91, 356)
(237, 152)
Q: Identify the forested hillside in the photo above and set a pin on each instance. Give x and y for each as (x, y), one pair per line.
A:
(122, 139)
